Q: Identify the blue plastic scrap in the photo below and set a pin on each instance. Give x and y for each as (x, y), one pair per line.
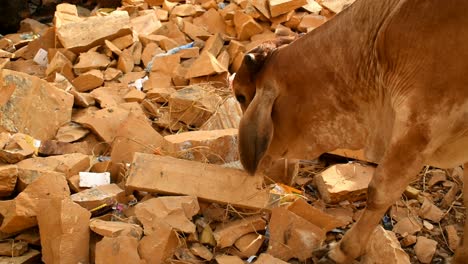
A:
(169, 52)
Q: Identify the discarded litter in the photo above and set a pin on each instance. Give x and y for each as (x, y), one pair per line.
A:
(93, 179)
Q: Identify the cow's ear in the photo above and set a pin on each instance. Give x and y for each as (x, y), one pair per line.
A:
(253, 61)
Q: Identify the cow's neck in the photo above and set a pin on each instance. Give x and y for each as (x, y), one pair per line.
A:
(334, 73)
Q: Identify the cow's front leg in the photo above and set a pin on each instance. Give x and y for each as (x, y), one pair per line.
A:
(391, 177)
(461, 256)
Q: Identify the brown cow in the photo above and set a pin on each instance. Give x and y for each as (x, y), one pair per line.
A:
(389, 77)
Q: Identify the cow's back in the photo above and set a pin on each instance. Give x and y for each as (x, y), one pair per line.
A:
(422, 56)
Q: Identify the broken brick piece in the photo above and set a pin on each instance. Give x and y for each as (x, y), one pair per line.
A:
(201, 251)
(64, 230)
(88, 81)
(248, 245)
(430, 211)
(246, 26)
(8, 178)
(316, 216)
(425, 249)
(12, 248)
(175, 211)
(20, 213)
(69, 164)
(160, 245)
(292, 236)
(408, 225)
(226, 259)
(344, 182)
(227, 234)
(32, 256)
(121, 249)
(99, 196)
(383, 247)
(52, 106)
(97, 28)
(115, 228)
(278, 7)
(213, 146)
(91, 60)
(206, 181)
(71, 132)
(268, 259)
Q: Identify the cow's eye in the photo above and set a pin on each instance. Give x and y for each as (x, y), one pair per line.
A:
(240, 98)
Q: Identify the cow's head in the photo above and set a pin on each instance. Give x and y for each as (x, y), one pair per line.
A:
(256, 96)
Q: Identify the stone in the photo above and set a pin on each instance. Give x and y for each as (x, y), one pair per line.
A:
(337, 6)
(344, 182)
(135, 96)
(452, 237)
(314, 215)
(32, 256)
(160, 94)
(201, 251)
(16, 147)
(383, 247)
(407, 225)
(159, 245)
(213, 146)
(227, 234)
(292, 236)
(52, 105)
(268, 259)
(195, 32)
(88, 81)
(146, 24)
(97, 28)
(212, 21)
(134, 135)
(425, 249)
(54, 147)
(30, 236)
(214, 44)
(91, 60)
(99, 196)
(115, 228)
(184, 10)
(8, 178)
(226, 259)
(174, 211)
(64, 230)
(408, 240)
(310, 22)
(20, 213)
(68, 164)
(123, 42)
(246, 26)
(112, 74)
(278, 7)
(248, 245)
(227, 115)
(60, 64)
(193, 105)
(121, 249)
(71, 132)
(12, 248)
(430, 211)
(206, 181)
(125, 63)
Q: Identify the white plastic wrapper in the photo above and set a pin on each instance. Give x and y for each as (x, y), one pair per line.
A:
(93, 179)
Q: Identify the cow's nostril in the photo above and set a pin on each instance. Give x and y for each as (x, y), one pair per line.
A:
(240, 99)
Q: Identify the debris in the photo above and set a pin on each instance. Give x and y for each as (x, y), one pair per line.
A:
(99, 197)
(315, 216)
(292, 236)
(213, 146)
(201, 251)
(64, 230)
(174, 211)
(226, 259)
(121, 249)
(115, 228)
(407, 225)
(411, 192)
(409, 240)
(93, 179)
(160, 245)
(32, 256)
(430, 212)
(248, 245)
(12, 248)
(69, 164)
(20, 213)
(227, 234)
(383, 247)
(52, 106)
(452, 237)
(8, 178)
(425, 249)
(268, 259)
(344, 182)
(213, 183)
(97, 28)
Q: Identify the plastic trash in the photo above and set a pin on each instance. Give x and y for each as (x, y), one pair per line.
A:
(93, 179)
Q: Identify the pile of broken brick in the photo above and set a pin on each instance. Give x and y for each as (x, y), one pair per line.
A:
(119, 136)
